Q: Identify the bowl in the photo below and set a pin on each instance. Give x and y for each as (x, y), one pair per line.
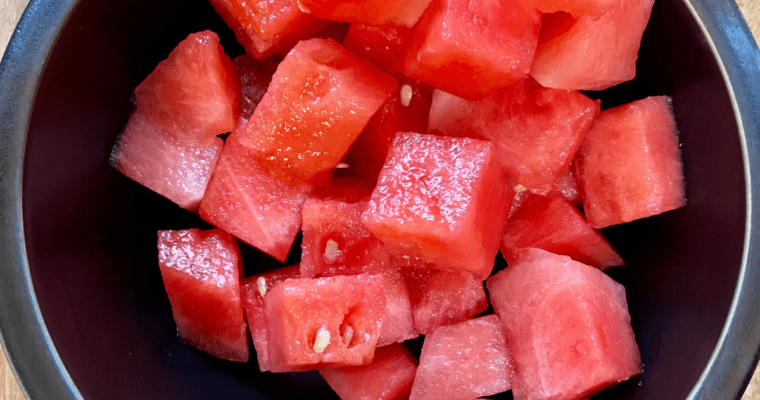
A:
(83, 312)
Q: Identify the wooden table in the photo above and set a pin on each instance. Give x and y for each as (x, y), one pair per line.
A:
(10, 12)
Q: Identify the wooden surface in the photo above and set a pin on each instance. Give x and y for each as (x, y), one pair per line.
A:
(10, 12)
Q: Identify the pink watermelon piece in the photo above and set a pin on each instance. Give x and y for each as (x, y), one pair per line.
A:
(591, 52)
(266, 27)
(440, 297)
(629, 165)
(471, 48)
(319, 101)
(463, 361)
(179, 170)
(247, 202)
(398, 324)
(567, 325)
(553, 224)
(253, 292)
(577, 8)
(536, 130)
(388, 377)
(384, 46)
(195, 93)
(372, 12)
(255, 77)
(323, 322)
(202, 272)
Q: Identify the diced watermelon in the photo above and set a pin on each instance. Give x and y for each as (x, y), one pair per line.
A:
(537, 130)
(464, 361)
(320, 99)
(388, 377)
(372, 12)
(440, 297)
(567, 326)
(179, 170)
(384, 46)
(324, 322)
(195, 93)
(471, 48)
(201, 272)
(568, 186)
(577, 8)
(346, 189)
(629, 165)
(591, 53)
(251, 204)
(255, 77)
(266, 27)
(405, 111)
(521, 194)
(398, 324)
(553, 224)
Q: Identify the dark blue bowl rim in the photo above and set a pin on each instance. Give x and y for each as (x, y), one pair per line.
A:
(32, 353)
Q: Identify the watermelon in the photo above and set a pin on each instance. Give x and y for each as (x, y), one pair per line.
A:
(471, 48)
(567, 325)
(266, 27)
(388, 377)
(177, 169)
(553, 224)
(591, 52)
(201, 272)
(344, 189)
(440, 297)
(463, 361)
(568, 186)
(320, 99)
(372, 12)
(253, 291)
(629, 165)
(398, 323)
(536, 130)
(255, 77)
(384, 46)
(251, 204)
(323, 322)
(440, 202)
(577, 8)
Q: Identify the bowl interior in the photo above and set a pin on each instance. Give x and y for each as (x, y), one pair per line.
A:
(91, 233)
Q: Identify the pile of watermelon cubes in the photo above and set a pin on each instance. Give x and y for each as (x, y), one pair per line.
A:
(436, 135)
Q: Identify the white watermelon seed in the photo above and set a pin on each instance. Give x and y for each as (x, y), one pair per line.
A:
(406, 95)
(322, 340)
(261, 284)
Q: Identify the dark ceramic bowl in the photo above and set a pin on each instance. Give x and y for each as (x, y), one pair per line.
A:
(83, 313)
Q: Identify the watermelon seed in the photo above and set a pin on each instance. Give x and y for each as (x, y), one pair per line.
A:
(261, 284)
(520, 188)
(322, 340)
(406, 95)
(341, 165)
(332, 251)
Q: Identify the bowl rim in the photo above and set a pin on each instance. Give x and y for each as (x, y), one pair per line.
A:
(32, 354)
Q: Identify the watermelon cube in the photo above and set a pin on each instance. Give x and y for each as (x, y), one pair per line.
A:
(440, 202)
(253, 291)
(266, 27)
(464, 361)
(553, 224)
(201, 272)
(471, 48)
(372, 12)
(324, 322)
(629, 165)
(320, 99)
(398, 323)
(388, 377)
(591, 52)
(567, 325)
(251, 204)
(255, 77)
(440, 297)
(384, 46)
(537, 130)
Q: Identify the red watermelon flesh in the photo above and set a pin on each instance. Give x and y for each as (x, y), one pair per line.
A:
(384, 46)
(463, 361)
(266, 27)
(319, 101)
(536, 130)
(372, 12)
(405, 111)
(629, 165)
(324, 322)
(440, 297)
(195, 93)
(568, 186)
(398, 324)
(567, 325)
(591, 53)
(255, 77)
(471, 48)
(179, 170)
(440, 202)
(553, 224)
(251, 204)
(254, 289)
(577, 8)
(201, 272)
(346, 189)
(388, 377)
